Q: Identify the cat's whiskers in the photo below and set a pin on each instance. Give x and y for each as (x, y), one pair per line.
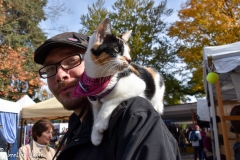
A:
(106, 65)
(109, 69)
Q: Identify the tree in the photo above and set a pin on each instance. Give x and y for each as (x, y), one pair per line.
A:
(204, 23)
(96, 14)
(148, 45)
(19, 36)
(14, 79)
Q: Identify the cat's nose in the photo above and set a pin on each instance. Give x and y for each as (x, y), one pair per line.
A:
(127, 59)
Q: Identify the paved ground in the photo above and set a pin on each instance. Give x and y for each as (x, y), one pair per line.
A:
(189, 156)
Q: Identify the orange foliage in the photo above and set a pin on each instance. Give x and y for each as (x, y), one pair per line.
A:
(2, 13)
(204, 23)
(12, 68)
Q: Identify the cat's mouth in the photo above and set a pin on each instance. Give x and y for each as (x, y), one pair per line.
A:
(126, 59)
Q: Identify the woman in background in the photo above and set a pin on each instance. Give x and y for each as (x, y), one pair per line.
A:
(38, 148)
(207, 146)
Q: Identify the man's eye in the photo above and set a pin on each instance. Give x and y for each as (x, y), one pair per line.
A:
(72, 60)
(50, 69)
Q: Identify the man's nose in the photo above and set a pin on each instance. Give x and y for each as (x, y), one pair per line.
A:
(60, 72)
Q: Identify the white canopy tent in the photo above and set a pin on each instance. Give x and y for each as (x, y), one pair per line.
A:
(9, 113)
(50, 108)
(8, 106)
(25, 101)
(224, 60)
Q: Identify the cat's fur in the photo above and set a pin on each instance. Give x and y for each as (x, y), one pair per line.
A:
(108, 55)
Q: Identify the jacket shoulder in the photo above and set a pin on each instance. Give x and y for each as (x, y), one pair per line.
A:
(139, 127)
(138, 104)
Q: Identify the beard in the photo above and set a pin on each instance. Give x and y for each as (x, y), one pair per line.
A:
(75, 103)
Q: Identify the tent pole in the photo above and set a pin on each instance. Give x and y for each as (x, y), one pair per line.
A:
(223, 124)
(21, 133)
(213, 115)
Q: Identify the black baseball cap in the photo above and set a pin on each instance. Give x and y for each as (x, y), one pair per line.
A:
(63, 39)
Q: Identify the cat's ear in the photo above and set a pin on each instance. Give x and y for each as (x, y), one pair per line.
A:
(103, 29)
(126, 35)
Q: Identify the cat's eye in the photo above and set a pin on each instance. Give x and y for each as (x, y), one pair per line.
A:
(116, 49)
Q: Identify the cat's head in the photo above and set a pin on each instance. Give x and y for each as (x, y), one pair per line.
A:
(107, 54)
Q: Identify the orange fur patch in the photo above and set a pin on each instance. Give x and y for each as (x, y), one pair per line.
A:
(152, 72)
(101, 59)
(95, 46)
(134, 70)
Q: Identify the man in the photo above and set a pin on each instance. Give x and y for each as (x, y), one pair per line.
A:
(136, 130)
(196, 143)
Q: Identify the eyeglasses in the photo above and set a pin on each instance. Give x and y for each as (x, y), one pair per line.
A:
(67, 63)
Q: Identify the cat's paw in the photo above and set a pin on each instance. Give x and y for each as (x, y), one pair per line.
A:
(96, 137)
(101, 126)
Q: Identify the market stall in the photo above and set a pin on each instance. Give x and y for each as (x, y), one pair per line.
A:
(51, 109)
(223, 94)
(9, 113)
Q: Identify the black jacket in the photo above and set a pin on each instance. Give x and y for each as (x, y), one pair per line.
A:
(136, 132)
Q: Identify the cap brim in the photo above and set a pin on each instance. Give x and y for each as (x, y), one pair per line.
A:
(42, 51)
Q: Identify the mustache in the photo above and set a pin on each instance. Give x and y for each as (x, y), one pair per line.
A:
(65, 85)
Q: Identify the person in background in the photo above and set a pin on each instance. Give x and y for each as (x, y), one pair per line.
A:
(182, 142)
(203, 133)
(136, 130)
(38, 148)
(236, 148)
(196, 144)
(207, 144)
(188, 130)
(53, 139)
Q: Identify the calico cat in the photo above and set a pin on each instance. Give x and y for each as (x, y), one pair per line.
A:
(110, 78)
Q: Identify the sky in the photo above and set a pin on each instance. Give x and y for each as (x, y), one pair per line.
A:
(71, 22)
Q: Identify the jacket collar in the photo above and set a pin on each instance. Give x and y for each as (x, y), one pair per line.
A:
(35, 151)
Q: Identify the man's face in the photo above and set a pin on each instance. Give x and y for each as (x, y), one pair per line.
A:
(69, 78)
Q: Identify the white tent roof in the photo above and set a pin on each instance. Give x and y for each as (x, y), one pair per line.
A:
(25, 101)
(50, 108)
(8, 106)
(225, 57)
(202, 109)
(226, 60)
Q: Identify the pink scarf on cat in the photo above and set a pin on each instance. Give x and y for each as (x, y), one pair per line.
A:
(88, 86)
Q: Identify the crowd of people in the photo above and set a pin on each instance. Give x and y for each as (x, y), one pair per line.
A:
(46, 142)
(202, 144)
(197, 143)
